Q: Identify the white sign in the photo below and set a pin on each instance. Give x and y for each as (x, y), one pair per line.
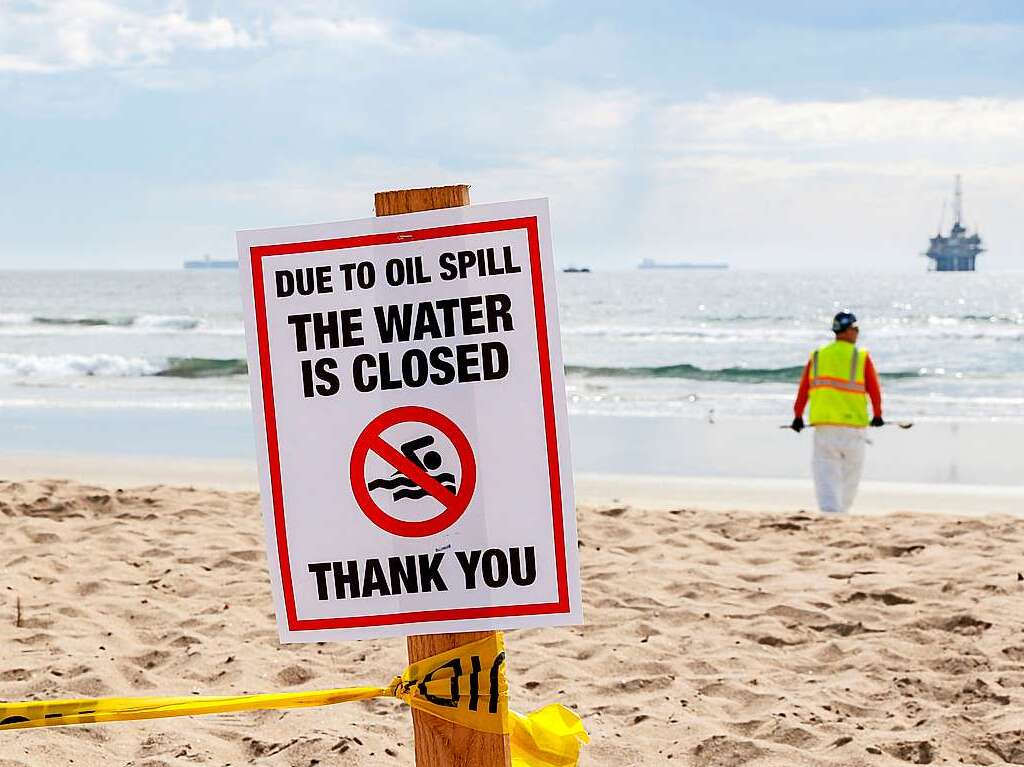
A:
(409, 401)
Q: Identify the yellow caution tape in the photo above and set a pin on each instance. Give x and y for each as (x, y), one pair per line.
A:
(549, 737)
(466, 685)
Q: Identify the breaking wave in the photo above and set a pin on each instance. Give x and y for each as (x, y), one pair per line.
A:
(115, 366)
(143, 322)
(71, 365)
(695, 373)
(203, 367)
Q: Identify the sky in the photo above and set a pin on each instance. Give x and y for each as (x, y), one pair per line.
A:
(789, 135)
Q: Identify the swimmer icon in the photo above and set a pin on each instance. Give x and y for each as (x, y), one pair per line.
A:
(403, 487)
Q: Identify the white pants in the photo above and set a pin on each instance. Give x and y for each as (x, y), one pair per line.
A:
(838, 462)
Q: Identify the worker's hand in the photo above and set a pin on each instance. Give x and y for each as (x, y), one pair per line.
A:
(877, 421)
(798, 424)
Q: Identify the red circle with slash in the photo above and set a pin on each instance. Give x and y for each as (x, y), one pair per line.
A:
(371, 440)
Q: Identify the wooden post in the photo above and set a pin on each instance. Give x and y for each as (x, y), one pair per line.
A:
(440, 743)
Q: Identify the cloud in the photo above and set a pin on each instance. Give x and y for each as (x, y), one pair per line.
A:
(288, 29)
(69, 35)
(884, 136)
(295, 30)
(759, 120)
(764, 181)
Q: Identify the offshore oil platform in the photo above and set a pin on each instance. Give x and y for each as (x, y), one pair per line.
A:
(957, 251)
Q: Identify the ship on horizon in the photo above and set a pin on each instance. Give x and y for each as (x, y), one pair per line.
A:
(957, 251)
(650, 263)
(211, 263)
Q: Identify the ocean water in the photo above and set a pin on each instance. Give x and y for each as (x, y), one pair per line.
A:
(691, 344)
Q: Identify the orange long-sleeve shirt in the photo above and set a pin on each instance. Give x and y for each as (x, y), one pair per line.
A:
(874, 389)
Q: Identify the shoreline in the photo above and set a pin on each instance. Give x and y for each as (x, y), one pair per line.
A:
(960, 453)
(647, 491)
(755, 494)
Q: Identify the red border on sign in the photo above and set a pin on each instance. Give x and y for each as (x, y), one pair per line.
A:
(257, 253)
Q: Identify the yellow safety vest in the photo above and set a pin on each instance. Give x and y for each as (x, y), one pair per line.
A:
(837, 391)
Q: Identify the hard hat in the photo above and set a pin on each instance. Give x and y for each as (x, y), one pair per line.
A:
(843, 320)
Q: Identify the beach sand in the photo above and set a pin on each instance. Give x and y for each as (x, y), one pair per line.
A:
(713, 638)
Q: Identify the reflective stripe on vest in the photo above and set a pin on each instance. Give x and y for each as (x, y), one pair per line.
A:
(838, 394)
(850, 384)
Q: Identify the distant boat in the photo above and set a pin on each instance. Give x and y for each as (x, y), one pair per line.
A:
(209, 263)
(577, 270)
(650, 263)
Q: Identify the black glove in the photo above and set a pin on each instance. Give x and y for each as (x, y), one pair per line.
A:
(798, 424)
(877, 421)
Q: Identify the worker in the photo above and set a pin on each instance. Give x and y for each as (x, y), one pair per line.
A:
(839, 379)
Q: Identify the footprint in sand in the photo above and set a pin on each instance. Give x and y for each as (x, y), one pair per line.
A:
(913, 751)
(291, 676)
(723, 751)
(885, 597)
(151, 659)
(1008, 746)
(964, 624)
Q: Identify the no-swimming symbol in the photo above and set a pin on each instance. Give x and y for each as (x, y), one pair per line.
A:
(412, 478)
(404, 488)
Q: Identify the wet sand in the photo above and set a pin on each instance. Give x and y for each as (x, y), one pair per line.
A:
(649, 491)
(932, 452)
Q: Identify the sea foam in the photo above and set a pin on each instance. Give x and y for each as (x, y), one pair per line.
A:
(73, 365)
(155, 323)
